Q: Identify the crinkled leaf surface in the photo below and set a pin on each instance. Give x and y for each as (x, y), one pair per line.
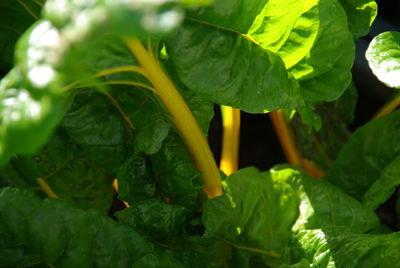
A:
(159, 220)
(264, 210)
(314, 42)
(71, 175)
(213, 57)
(383, 55)
(370, 159)
(312, 38)
(324, 248)
(136, 179)
(98, 128)
(177, 177)
(77, 238)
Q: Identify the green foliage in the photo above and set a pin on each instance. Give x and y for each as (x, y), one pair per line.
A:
(367, 166)
(79, 110)
(383, 56)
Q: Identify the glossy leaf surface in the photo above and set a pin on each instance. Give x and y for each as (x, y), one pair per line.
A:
(71, 175)
(278, 203)
(215, 59)
(154, 218)
(383, 55)
(77, 237)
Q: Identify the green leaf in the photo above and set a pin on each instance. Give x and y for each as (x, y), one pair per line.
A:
(77, 238)
(237, 15)
(9, 176)
(251, 207)
(325, 249)
(305, 34)
(369, 250)
(263, 210)
(48, 57)
(151, 123)
(98, 128)
(216, 61)
(366, 159)
(15, 18)
(346, 105)
(160, 260)
(385, 186)
(136, 179)
(290, 32)
(176, 176)
(383, 55)
(69, 173)
(360, 15)
(154, 218)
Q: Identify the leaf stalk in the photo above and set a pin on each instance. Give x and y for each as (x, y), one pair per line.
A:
(182, 117)
(388, 108)
(230, 140)
(45, 187)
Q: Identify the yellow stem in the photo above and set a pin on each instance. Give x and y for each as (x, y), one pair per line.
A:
(388, 108)
(285, 137)
(230, 141)
(119, 82)
(45, 187)
(120, 69)
(115, 185)
(36, 17)
(269, 253)
(182, 116)
(119, 108)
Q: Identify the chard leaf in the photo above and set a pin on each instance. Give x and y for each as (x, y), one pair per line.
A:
(306, 35)
(69, 174)
(360, 15)
(385, 186)
(265, 210)
(251, 207)
(368, 160)
(345, 106)
(214, 58)
(98, 128)
(176, 176)
(158, 220)
(136, 179)
(16, 17)
(78, 238)
(368, 250)
(383, 55)
(323, 249)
